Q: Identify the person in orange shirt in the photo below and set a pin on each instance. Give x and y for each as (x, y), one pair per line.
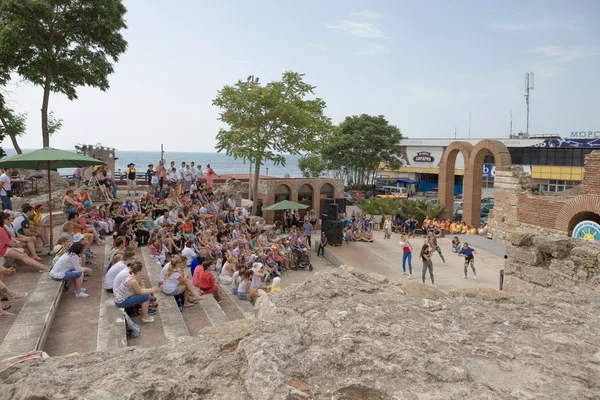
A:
(453, 228)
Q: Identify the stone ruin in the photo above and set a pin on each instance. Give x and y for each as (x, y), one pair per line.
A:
(346, 335)
(553, 262)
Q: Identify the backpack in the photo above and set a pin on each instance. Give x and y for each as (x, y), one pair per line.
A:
(133, 329)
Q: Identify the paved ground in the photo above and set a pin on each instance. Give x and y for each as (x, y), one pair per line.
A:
(385, 257)
(75, 325)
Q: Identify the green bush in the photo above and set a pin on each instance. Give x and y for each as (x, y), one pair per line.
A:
(406, 207)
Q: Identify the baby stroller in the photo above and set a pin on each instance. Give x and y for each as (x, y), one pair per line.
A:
(301, 259)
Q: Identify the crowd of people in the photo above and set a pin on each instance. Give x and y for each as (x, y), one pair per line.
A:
(204, 241)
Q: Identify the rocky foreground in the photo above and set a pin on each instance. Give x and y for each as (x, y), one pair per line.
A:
(346, 335)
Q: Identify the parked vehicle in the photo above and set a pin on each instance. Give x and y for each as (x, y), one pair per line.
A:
(357, 194)
(349, 198)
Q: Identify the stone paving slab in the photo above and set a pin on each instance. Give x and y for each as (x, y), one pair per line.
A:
(173, 324)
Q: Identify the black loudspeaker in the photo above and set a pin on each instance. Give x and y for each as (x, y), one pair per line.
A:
(324, 205)
(333, 212)
(334, 233)
(341, 205)
(259, 207)
(324, 219)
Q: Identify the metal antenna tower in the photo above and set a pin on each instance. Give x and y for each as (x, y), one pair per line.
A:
(528, 87)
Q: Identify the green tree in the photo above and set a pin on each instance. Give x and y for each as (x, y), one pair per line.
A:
(312, 166)
(61, 45)
(266, 121)
(359, 145)
(12, 124)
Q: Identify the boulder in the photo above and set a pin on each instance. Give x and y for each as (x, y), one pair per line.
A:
(520, 239)
(558, 247)
(520, 255)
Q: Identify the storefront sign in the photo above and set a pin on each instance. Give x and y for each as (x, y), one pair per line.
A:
(587, 230)
(424, 157)
(585, 135)
(489, 170)
(574, 143)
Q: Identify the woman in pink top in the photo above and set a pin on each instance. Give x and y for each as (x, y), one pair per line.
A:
(8, 248)
(406, 255)
(210, 174)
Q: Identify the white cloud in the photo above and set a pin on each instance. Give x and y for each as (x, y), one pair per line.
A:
(550, 71)
(545, 24)
(359, 29)
(373, 49)
(367, 14)
(562, 55)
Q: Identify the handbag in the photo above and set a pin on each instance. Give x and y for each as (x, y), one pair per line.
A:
(9, 193)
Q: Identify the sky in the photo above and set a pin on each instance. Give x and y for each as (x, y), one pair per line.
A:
(426, 66)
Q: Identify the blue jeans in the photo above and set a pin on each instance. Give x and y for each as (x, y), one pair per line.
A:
(407, 256)
(6, 203)
(70, 275)
(134, 300)
(114, 189)
(70, 210)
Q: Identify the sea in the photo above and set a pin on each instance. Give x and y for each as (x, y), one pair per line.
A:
(219, 162)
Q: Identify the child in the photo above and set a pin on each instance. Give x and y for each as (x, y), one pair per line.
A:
(427, 263)
(188, 252)
(58, 250)
(276, 286)
(455, 244)
(219, 264)
(322, 245)
(468, 253)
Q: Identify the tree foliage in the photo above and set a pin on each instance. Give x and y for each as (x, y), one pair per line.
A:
(61, 45)
(266, 121)
(312, 166)
(12, 124)
(359, 145)
(405, 207)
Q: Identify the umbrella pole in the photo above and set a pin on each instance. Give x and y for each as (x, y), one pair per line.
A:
(50, 206)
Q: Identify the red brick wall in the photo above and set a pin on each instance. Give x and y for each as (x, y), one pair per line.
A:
(539, 210)
(591, 177)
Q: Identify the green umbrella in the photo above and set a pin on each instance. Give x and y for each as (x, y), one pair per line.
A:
(47, 159)
(285, 205)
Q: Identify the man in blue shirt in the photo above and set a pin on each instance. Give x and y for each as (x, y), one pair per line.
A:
(469, 255)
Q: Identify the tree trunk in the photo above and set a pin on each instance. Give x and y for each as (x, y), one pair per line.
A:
(45, 102)
(255, 185)
(13, 138)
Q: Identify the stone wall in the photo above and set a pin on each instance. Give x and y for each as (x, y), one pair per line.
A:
(518, 209)
(268, 187)
(553, 262)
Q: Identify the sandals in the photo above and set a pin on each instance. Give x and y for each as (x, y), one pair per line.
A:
(21, 295)
(5, 307)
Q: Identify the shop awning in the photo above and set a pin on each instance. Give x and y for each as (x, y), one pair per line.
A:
(408, 182)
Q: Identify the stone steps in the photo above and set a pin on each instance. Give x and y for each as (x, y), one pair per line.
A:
(30, 328)
(112, 332)
(173, 324)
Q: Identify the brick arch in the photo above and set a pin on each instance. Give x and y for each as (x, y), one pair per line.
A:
(315, 195)
(472, 182)
(446, 176)
(577, 205)
(332, 187)
(290, 189)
